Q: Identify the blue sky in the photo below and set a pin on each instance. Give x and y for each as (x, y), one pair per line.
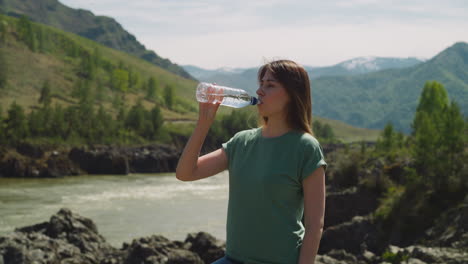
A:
(242, 33)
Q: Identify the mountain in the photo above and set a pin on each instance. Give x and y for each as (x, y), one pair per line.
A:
(362, 65)
(368, 92)
(245, 77)
(102, 29)
(371, 100)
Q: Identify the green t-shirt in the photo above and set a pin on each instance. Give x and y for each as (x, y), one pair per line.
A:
(266, 199)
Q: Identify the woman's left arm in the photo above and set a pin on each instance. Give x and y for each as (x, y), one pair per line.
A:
(314, 211)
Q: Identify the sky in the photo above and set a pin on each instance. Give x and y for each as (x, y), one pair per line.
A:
(245, 33)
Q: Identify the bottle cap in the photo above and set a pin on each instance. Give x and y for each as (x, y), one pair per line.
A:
(254, 101)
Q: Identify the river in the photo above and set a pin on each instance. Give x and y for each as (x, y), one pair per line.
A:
(122, 207)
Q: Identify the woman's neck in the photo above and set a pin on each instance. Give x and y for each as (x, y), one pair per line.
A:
(275, 128)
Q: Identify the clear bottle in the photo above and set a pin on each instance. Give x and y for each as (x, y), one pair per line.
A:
(233, 97)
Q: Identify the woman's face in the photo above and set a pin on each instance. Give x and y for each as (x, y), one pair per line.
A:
(273, 96)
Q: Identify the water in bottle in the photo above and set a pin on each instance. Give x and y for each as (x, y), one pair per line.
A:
(232, 97)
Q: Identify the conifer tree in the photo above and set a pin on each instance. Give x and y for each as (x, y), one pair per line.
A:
(169, 96)
(438, 135)
(387, 141)
(46, 94)
(119, 80)
(151, 89)
(453, 140)
(2, 129)
(3, 70)
(156, 120)
(26, 33)
(16, 124)
(3, 30)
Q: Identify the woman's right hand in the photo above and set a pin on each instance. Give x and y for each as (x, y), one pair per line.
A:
(207, 111)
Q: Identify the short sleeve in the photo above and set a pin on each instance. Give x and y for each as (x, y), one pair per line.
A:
(312, 157)
(230, 146)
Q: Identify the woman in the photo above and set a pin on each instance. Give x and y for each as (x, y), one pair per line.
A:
(276, 173)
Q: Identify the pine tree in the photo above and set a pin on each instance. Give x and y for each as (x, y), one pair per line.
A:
(136, 119)
(169, 96)
(26, 33)
(438, 133)
(119, 80)
(433, 101)
(3, 30)
(156, 120)
(151, 89)
(16, 124)
(3, 70)
(46, 94)
(453, 140)
(387, 141)
(2, 129)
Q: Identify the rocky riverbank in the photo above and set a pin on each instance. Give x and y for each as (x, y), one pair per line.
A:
(70, 238)
(28, 161)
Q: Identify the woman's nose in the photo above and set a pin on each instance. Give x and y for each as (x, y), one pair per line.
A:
(259, 91)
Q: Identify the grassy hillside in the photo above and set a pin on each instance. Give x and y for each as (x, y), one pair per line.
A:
(102, 29)
(28, 69)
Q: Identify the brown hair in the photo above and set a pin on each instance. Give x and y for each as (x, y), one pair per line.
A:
(296, 81)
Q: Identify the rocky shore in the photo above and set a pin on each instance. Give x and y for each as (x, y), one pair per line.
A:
(70, 238)
(28, 161)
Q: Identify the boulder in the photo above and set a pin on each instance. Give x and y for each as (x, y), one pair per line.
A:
(450, 229)
(206, 246)
(153, 158)
(66, 238)
(344, 205)
(100, 160)
(354, 236)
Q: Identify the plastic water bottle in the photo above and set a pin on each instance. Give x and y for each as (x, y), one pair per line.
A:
(233, 97)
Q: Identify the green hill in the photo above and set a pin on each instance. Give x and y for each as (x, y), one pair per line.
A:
(59, 58)
(102, 29)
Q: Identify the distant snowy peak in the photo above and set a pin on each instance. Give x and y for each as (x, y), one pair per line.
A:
(364, 63)
(372, 63)
(230, 70)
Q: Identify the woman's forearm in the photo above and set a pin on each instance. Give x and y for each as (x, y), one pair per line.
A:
(310, 245)
(188, 160)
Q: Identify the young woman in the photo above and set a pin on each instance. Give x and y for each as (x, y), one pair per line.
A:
(276, 173)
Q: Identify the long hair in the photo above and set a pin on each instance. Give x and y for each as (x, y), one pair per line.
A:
(296, 81)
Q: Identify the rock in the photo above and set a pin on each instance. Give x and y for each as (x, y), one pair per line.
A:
(183, 256)
(158, 249)
(343, 206)
(30, 150)
(342, 255)
(324, 259)
(100, 161)
(206, 246)
(438, 254)
(351, 236)
(450, 229)
(153, 158)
